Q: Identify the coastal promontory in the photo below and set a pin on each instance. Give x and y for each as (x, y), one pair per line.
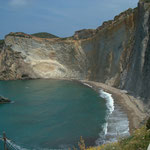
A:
(116, 53)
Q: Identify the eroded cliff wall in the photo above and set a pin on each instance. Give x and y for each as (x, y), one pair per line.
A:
(45, 58)
(138, 76)
(116, 53)
(109, 50)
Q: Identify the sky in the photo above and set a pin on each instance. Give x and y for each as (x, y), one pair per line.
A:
(58, 17)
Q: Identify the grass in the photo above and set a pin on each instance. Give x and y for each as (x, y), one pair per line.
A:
(44, 35)
(146, 1)
(1, 42)
(138, 141)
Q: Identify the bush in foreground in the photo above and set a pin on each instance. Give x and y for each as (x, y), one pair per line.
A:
(138, 141)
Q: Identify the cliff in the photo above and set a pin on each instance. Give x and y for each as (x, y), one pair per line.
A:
(116, 53)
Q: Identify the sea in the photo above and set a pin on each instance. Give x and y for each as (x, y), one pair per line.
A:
(48, 114)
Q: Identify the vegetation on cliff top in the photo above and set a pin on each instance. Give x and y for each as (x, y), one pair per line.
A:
(44, 35)
(24, 35)
(1, 43)
(19, 34)
(146, 1)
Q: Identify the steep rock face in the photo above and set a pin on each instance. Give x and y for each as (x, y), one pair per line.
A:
(137, 80)
(116, 53)
(108, 51)
(48, 58)
(12, 66)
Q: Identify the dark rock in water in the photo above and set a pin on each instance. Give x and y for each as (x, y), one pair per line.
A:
(4, 100)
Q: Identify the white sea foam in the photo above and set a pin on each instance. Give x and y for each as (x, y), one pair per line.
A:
(117, 124)
(109, 99)
(105, 128)
(110, 107)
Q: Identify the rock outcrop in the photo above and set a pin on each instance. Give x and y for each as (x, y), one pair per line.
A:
(4, 100)
(116, 53)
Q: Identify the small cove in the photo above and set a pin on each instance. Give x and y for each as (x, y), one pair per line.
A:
(53, 114)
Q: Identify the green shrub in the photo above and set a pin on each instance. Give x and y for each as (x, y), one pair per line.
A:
(148, 124)
(138, 141)
(81, 144)
(44, 35)
(1, 43)
(146, 1)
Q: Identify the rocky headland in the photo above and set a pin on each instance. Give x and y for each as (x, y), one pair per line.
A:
(116, 54)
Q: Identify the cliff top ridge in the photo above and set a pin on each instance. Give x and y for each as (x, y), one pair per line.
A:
(144, 1)
(38, 35)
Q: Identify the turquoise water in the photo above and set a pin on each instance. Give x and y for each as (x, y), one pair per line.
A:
(51, 113)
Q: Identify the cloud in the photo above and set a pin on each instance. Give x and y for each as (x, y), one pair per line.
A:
(16, 3)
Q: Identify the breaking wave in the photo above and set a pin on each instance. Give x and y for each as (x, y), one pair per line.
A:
(110, 101)
(117, 124)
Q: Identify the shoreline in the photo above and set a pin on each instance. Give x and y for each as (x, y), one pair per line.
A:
(133, 107)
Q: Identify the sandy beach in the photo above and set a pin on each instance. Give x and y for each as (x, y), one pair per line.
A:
(133, 107)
